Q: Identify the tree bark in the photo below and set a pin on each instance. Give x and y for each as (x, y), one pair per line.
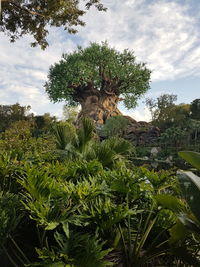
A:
(98, 105)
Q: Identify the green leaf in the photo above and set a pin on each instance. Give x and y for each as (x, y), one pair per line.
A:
(190, 224)
(191, 190)
(178, 233)
(51, 226)
(170, 202)
(191, 157)
(191, 176)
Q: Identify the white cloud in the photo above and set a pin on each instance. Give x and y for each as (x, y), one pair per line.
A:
(162, 33)
(23, 71)
(139, 115)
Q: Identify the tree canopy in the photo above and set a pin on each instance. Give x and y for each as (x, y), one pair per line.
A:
(162, 109)
(12, 113)
(98, 70)
(195, 109)
(21, 17)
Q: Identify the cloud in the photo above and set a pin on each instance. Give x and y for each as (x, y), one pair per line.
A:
(163, 33)
(23, 71)
(139, 115)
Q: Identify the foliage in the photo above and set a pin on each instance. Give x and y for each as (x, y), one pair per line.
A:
(101, 70)
(165, 114)
(74, 143)
(9, 171)
(112, 151)
(70, 113)
(75, 249)
(10, 215)
(104, 202)
(173, 136)
(114, 126)
(187, 219)
(21, 17)
(12, 113)
(91, 206)
(161, 107)
(42, 124)
(81, 143)
(195, 109)
(18, 139)
(191, 182)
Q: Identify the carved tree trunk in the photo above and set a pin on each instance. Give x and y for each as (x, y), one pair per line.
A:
(98, 106)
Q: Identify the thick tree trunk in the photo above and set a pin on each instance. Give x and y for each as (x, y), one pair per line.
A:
(99, 107)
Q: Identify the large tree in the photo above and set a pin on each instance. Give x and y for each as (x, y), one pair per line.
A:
(98, 77)
(20, 17)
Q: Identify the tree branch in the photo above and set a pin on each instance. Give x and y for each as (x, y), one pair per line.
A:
(28, 10)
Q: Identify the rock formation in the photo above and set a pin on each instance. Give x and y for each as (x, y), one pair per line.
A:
(141, 132)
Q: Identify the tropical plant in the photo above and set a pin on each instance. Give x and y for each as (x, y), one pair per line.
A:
(191, 182)
(11, 214)
(18, 141)
(82, 143)
(185, 234)
(73, 142)
(9, 172)
(74, 249)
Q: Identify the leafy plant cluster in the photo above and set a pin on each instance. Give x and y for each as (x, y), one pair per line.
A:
(179, 130)
(87, 205)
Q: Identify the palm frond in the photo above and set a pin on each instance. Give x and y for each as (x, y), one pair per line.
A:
(120, 146)
(64, 134)
(85, 133)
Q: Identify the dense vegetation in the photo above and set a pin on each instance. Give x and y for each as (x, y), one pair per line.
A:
(179, 126)
(85, 196)
(69, 199)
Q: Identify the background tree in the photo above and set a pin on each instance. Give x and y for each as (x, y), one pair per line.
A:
(22, 17)
(70, 113)
(114, 126)
(43, 124)
(195, 109)
(165, 113)
(98, 77)
(161, 108)
(13, 113)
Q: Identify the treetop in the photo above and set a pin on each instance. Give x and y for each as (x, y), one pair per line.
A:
(101, 69)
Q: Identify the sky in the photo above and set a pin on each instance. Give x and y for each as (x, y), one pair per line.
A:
(163, 33)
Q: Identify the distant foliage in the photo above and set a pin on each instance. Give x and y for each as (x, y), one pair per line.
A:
(161, 108)
(114, 126)
(70, 113)
(18, 139)
(12, 113)
(195, 109)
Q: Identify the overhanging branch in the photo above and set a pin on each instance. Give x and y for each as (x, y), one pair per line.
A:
(34, 13)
